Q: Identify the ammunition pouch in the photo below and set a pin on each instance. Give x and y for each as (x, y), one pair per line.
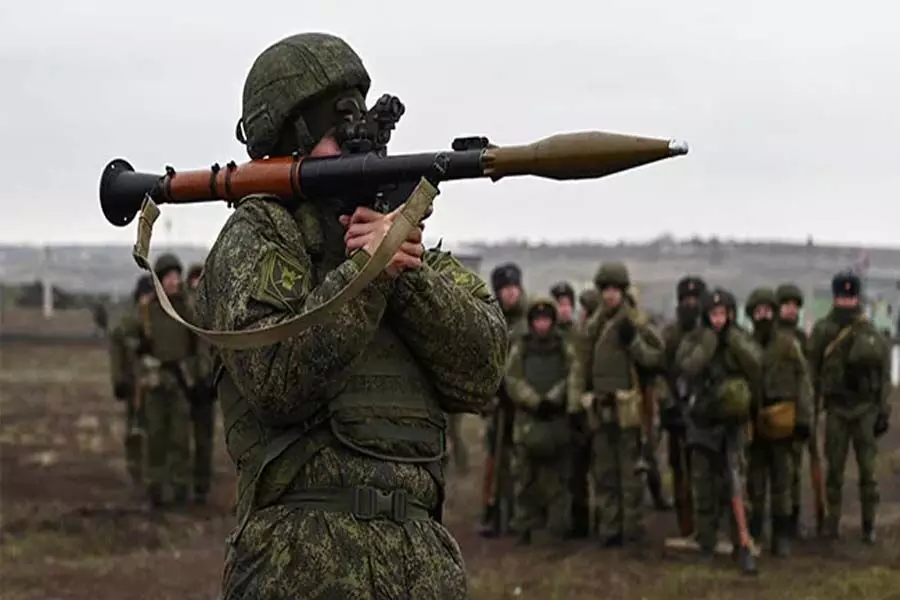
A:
(777, 421)
(629, 405)
(544, 439)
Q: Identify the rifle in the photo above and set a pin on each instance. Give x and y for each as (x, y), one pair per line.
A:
(363, 175)
(744, 554)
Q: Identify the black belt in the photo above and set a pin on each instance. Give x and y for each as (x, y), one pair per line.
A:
(365, 503)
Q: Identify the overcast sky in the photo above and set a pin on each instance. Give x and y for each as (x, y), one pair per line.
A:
(791, 109)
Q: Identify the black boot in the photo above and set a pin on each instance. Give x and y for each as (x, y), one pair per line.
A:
(581, 522)
(794, 523)
(781, 530)
(524, 538)
(746, 561)
(155, 496)
(868, 531)
(489, 526)
(613, 541)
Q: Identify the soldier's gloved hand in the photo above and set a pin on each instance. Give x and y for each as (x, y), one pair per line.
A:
(627, 331)
(882, 424)
(802, 432)
(123, 391)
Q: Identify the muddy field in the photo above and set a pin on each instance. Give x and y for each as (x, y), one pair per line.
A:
(71, 528)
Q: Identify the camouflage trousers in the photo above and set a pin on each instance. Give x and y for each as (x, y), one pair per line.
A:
(168, 435)
(769, 475)
(579, 480)
(203, 419)
(618, 489)
(680, 464)
(287, 553)
(840, 433)
(135, 439)
(711, 496)
(542, 493)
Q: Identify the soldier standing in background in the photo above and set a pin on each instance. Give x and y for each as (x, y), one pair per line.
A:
(604, 377)
(723, 366)
(203, 407)
(790, 302)
(589, 301)
(783, 417)
(850, 364)
(498, 490)
(167, 352)
(564, 296)
(124, 371)
(536, 380)
(673, 406)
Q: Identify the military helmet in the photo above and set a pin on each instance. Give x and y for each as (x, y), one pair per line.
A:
(504, 275)
(195, 271)
(296, 82)
(563, 290)
(690, 285)
(166, 263)
(612, 274)
(788, 292)
(143, 286)
(758, 297)
(541, 306)
(589, 300)
(633, 294)
(846, 283)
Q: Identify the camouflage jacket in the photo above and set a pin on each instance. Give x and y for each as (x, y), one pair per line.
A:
(785, 375)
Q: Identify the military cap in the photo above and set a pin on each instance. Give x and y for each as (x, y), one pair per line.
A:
(788, 292)
(563, 290)
(143, 286)
(758, 297)
(690, 285)
(847, 284)
(612, 274)
(718, 297)
(166, 263)
(504, 275)
(541, 306)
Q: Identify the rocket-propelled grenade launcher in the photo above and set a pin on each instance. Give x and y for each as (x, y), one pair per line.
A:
(365, 175)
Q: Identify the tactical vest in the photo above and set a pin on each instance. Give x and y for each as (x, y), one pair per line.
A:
(172, 342)
(612, 366)
(386, 409)
(544, 363)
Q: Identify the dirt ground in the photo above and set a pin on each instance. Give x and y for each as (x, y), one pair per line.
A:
(72, 530)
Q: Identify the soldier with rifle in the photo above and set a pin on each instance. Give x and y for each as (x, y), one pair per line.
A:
(498, 490)
(723, 368)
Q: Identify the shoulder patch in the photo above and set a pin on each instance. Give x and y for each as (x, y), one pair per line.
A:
(463, 277)
(281, 278)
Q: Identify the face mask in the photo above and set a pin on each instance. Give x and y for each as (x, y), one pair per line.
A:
(687, 315)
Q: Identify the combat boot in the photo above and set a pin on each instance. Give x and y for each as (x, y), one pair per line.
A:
(746, 561)
(868, 532)
(613, 541)
(489, 526)
(524, 538)
(581, 523)
(155, 495)
(781, 534)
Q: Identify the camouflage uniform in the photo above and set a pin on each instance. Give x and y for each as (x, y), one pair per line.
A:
(498, 484)
(337, 433)
(788, 293)
(785, 381)
(722, 368)
(589, 302)
(563, 292)
(673, 405)
(615, 343)
(850, 363)
(203, 408)
(167, 354)
(123, 367)
(536, 376)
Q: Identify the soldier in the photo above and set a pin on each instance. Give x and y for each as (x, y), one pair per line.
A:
(722, 366)
(650, 385)
(790, 301)
(850, 364)
(536, 377)
(203, 412)
(564, 295)
(589, 301)
(497, 486)
(123, 367)
(167, 351)
(338, 432)
(784, 416)
(615, 344)
(673, 406)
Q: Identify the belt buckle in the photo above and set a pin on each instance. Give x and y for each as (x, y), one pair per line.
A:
(399, 505)
(365, 503)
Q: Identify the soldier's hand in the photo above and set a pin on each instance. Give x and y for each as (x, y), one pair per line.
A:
(123, 391)
(881, 425)
(627, 331)
(366, 229)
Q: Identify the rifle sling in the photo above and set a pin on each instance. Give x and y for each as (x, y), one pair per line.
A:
(410, 216)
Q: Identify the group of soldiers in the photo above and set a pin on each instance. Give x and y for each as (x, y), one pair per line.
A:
(588, 401)
(162, 374)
